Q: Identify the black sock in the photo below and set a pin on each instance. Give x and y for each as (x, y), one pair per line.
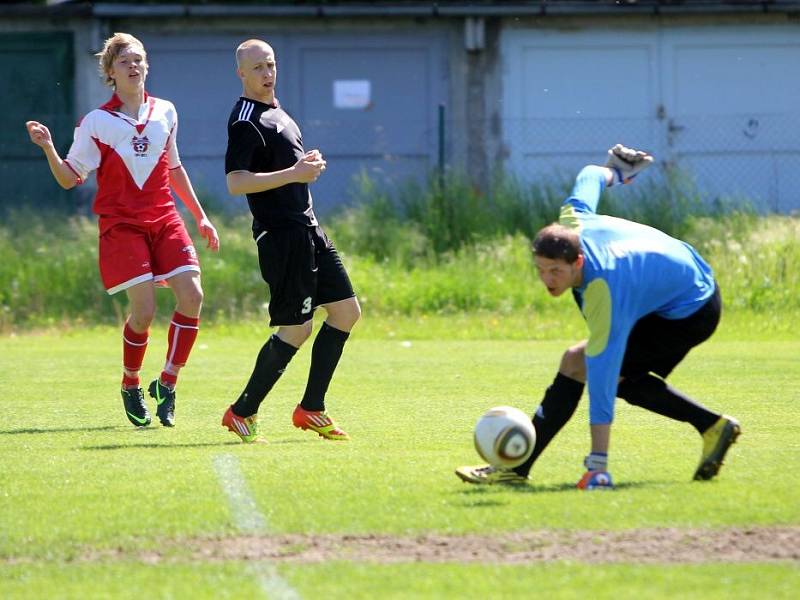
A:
(325, 354)
(559, 404)
(270, 364)
(655, 395)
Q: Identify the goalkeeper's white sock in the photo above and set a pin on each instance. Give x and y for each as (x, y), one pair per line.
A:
(596, 461)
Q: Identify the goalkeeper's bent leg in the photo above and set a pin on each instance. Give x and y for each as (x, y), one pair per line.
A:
(655, 395)
(557, 407)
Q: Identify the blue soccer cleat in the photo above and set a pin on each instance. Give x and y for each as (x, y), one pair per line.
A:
(596, 480)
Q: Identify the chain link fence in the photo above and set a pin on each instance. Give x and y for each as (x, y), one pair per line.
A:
(752, 159)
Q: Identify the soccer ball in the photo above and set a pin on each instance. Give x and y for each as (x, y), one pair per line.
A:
(504, 436)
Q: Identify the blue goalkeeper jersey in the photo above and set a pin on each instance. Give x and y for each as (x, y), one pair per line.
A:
(630, 270)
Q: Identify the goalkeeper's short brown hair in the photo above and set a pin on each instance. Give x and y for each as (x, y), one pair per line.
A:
(557, 242)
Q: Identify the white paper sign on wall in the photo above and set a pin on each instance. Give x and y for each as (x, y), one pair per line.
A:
(352, 93)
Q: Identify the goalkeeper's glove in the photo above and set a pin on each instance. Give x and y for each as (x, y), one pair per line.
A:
(627, 163)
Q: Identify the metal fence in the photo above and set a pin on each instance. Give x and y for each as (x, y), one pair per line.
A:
(753, 158)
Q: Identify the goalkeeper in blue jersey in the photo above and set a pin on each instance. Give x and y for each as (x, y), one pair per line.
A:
(647, 299)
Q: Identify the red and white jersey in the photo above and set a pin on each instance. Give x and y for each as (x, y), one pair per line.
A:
(132, 157)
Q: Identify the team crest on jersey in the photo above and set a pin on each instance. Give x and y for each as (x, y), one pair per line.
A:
(140, 145)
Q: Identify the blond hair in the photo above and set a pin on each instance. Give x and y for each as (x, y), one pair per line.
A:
(111, 50)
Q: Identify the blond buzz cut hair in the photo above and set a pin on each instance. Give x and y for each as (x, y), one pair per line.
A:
(112, 48)
(245, 46)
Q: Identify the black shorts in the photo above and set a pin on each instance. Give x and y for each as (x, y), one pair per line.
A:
(303, 271)
(657, 345)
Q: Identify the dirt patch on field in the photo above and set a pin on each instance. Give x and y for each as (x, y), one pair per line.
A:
(634, 546)
(642, 546)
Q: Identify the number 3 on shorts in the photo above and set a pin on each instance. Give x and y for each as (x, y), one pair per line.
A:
(306, 306)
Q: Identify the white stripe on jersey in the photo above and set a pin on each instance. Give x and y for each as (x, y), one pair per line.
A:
(245, 112)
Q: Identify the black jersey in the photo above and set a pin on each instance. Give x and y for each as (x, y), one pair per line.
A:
(263, 139)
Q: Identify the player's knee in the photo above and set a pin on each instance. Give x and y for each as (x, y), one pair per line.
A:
(191, 299)
(299, 333)
(302, 333)
(573, 363)
(141, 317)
(196, 297)
(296, 335)
(354, 311)
(344, 315)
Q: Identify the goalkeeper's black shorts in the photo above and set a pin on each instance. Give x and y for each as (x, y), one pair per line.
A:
(657, 345)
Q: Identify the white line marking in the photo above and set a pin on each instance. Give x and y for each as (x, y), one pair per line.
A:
(248, 519)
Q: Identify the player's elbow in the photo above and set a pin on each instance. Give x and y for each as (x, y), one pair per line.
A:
(67, 184)
(235, 184)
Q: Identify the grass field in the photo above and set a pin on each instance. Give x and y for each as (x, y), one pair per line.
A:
(92, 508)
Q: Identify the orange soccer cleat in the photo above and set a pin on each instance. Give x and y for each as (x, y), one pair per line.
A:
(319, 421)
(245, 427)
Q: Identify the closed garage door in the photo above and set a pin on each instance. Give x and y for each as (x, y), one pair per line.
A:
(37, 73)
(725, 109)
(368, 101)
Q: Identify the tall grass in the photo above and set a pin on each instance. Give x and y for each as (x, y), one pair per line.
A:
(442, 248)
(423, 221)
(428, 221)
(49, 273)
(755, 260)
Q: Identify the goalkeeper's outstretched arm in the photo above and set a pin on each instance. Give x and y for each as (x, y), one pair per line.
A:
(622, 166)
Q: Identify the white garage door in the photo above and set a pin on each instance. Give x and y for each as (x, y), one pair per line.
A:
(723, 103)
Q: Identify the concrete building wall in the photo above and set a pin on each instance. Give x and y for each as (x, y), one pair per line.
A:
(535, 96)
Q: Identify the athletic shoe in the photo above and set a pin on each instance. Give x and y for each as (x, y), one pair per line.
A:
(716, 441)
(245, 427)
(596, 480)
(319, 421)
(165, 400)
(135, 408)
(489, 475)
(627, 163)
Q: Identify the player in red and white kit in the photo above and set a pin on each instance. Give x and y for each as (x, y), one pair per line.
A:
(131, 142)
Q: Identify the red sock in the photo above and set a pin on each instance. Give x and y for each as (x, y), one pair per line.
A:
(182, 334)
(130, 382)
(134, 345)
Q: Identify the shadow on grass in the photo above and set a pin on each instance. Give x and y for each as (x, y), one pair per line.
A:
(306, 440)
(61, 429)
(229, 442)
(474, 492)
(166, 445)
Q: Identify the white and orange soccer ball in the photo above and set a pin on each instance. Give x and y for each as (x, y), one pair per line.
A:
(504, 436)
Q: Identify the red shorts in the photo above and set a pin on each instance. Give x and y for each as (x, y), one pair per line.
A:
(133, 253)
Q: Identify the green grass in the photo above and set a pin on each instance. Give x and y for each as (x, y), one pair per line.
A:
(400, 582)
(83, 494)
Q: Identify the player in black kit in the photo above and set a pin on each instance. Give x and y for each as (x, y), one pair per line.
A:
(266, 161)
